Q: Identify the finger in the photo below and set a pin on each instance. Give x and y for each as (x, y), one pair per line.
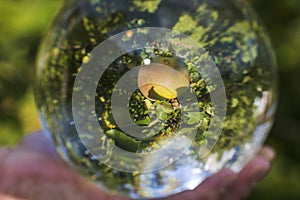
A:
(4, 152)
(30, 175)
(252, 173)
(39, 142)
(267, 152)
(212, 188)
(8, 197)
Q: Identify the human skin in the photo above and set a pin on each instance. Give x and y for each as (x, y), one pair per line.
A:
(33, 171)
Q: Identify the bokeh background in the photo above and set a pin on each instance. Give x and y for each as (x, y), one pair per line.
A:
(23, 23)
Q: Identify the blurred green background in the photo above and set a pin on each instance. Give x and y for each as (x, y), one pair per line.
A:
(23, 22)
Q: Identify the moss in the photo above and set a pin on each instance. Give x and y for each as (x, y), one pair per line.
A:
(145, 6)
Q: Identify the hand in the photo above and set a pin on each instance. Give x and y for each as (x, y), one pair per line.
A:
(33, 171)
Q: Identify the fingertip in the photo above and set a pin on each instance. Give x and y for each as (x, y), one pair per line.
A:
(267, 152)
(255, 170)
(248, 177)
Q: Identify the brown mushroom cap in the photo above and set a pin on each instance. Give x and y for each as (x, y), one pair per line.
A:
(161, 79)
(175, 63)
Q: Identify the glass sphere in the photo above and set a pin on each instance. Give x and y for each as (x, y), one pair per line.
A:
(149, 98)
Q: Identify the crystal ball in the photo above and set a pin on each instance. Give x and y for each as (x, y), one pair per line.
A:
(149, 98)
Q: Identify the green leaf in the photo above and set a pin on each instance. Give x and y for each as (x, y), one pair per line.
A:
(195, 117)
(144, 122)
(123, 141)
